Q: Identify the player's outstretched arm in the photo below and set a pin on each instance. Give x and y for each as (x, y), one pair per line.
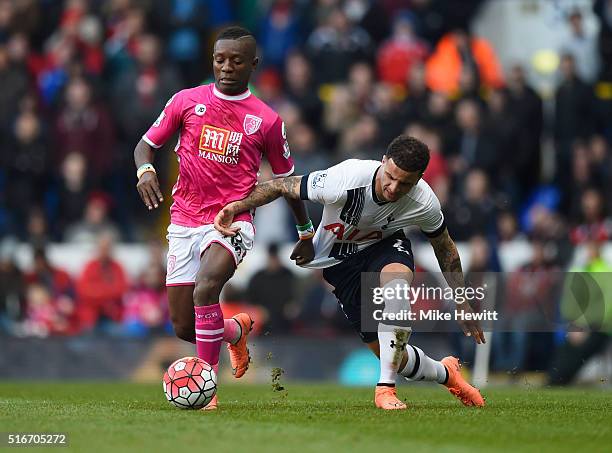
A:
(450, 264)
(148, 185)
(264, 193)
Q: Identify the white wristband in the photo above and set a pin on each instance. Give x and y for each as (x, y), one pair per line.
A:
(143, 169)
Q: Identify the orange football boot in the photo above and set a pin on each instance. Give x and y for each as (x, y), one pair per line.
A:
(468, 395)
(385, 398)
(239, 352)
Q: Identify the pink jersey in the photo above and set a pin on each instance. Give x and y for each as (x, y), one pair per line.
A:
(221, 142)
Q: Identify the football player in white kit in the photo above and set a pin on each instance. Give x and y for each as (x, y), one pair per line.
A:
(367, 205)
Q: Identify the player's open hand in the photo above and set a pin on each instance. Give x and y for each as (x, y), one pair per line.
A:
(223, 222)
(303, 252)
(470, 327)
(149, 190)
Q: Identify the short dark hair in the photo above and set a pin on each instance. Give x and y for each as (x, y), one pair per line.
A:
(234, 32)
(408, 153)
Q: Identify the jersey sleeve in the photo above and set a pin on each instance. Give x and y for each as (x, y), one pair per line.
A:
(324, 186)
(166, 124)
(432, 221)
(277, 150)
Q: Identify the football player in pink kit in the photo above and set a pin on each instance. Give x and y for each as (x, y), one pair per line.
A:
(224, 133)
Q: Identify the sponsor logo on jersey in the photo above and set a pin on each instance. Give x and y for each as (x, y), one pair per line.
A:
(220, 145)
(283, 131)
(355, 234)
(200, 109)
(287, 151)
(251, 123)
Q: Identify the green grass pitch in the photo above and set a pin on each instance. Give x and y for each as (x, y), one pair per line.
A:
(308, 418)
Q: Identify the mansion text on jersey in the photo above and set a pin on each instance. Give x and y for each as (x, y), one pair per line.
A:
(220, 145)
(218, 157)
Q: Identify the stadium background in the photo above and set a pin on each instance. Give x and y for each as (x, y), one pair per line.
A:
(520, 129)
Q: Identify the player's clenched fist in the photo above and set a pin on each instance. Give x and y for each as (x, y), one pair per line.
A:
(149, 190)
(303, 252)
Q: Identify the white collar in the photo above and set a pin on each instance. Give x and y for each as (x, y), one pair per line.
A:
(238, 97)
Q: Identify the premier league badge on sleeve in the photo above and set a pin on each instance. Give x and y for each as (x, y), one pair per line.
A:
(251, 124)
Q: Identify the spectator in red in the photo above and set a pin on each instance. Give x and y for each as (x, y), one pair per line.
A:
(83, 32)
(594, 226)
(50, 298)
(85, 127)
(396, 57)
(101, 286)
(457, 51)
(55, 279)
(125, 23)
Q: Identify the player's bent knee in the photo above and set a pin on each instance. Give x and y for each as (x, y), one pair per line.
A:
(207, 291)
(394, 271)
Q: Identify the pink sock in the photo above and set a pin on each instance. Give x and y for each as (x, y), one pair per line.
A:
(209, 332)
(232, 331)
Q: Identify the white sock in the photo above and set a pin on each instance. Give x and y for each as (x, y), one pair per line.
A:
(392, 339)
(422, 368)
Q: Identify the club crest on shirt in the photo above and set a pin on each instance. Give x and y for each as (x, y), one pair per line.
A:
(251, 123)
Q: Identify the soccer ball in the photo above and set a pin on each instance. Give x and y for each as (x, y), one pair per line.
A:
(190, 383)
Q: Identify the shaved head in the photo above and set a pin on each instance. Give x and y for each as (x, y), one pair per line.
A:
(241, 34)
(234, 60)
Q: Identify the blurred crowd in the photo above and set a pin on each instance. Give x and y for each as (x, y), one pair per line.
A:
(81, 80)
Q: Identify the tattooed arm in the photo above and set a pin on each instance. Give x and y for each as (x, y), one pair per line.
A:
(448, 259)
(450, 264)
(264, 193)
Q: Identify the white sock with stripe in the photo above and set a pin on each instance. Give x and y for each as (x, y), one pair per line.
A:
(392, 339)
(420, 367)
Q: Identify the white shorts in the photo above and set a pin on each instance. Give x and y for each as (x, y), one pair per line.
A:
(186, 246)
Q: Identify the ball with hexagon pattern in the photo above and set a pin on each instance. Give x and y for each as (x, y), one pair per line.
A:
(190, 383)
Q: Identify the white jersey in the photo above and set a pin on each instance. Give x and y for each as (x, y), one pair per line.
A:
(353, 217)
